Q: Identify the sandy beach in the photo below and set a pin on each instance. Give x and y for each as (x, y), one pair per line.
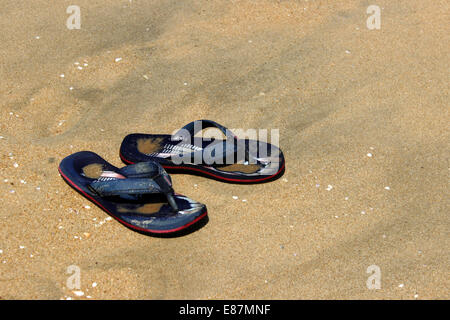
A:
(363, 121)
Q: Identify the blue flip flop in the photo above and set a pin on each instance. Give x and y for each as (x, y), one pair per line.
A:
(230, 160)
(140, 196)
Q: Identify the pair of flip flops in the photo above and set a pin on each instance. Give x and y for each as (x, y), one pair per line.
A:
(140, 195)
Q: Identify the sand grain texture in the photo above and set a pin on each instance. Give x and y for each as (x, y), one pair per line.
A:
(336, 90)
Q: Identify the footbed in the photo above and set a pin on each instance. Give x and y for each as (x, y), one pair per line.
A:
(149, 208)
(150, 145)
(147, 146)
(238, 167)
(93, 170)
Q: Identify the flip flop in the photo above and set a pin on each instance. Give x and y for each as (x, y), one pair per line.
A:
(139, 196)
(230, 159)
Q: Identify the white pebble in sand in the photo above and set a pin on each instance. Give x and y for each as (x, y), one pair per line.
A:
(94, 284)
(387, 188)
(62, 75)
(80, 68)
(401, 285)
(70, 88)
(78, 293)
(15, 165)
(244, 200)
(87, 207)
(37, 37)
(1, 251)
(235, 197)
(369, 155)
(329, 187)
(118, 59)
(22, 247)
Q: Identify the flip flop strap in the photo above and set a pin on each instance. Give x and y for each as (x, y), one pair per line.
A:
(188, 132)
(149, 169)
(136, 186)
(130, 186)
(198, 125)
(141, 170)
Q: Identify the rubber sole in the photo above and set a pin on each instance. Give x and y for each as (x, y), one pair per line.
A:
(207, 173)
(141, 230)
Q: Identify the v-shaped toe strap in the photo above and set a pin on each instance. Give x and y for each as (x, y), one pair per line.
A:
(141, 178)
(191, 129)
(218, 152)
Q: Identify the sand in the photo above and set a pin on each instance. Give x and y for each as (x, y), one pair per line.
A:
(363, 120)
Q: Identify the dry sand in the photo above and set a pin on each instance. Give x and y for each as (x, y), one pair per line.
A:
(336, 90)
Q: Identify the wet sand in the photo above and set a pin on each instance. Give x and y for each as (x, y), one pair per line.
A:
(363, 120)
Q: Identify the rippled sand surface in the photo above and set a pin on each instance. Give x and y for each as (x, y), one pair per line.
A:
(363, 120)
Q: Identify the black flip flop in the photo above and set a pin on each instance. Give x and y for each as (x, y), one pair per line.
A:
(139, 196)
(231, 160)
